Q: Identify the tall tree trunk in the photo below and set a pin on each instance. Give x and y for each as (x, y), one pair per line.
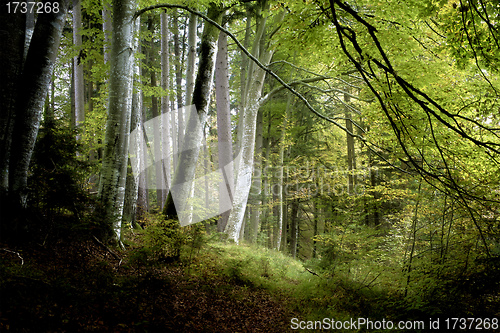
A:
(35, 82)
(225, 142)
(244, 61)
(374, 214)
(351, 157)
(190, 72)
(12, 43)
(78, 85)
(174, 129)
(157, 139)
(30, 27)
(248, 126)
(165, 107)
(294, 228)
(315, 214)
(143, 199)
(284, 229)
(107, 26)
(132, 185)
(256, 189)
(178, 80)
(114, 163)
(267, 180)
(280, 175)
(185, 169)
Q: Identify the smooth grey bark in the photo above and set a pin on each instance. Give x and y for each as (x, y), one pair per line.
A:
(132, 184)
(33, 86)
(184, 171)
(143, 197)
(165, 107)
(114, 165)
(351, 157)
(294, 228)
(284, 231)
(244, 162)
(244, 58)
(30, 27)
(173, 130)
(78, 85)
(157, 140)
(244, 66)
(190, 71)
(224, 137)
(247, 126)
(107, 26)
(280, 175)
(256, 189)
(178, 80)
(12, 44)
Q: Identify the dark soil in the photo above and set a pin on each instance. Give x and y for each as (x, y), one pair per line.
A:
(75, 285)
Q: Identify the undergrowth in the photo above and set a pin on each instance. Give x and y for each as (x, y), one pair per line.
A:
(184, 279)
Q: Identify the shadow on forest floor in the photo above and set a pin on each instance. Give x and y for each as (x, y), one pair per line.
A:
(79, 286)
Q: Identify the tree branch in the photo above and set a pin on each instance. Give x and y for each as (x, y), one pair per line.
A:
(254, 59)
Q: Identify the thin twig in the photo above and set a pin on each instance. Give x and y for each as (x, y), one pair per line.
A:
(17, 253)
(107, 248)
(313, 273)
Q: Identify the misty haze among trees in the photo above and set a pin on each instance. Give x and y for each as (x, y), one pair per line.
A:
(343, 158)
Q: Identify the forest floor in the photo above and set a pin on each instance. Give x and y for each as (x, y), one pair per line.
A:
(80, 285)
(77, 284)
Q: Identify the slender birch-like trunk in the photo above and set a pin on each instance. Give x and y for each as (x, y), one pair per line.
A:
(132, 185)
(34, 84)
(190, 72)
(114, 164)
(185, 169)
(107, 27)
(256, 189)
(78, 85)
(281, 203)
(294, 228)
(244, 162)
(225, 142)
(157, 140)
(178, 79)
(165, 107)
(247, 126)
(143, 199)
(351, 157)
(12, 43)
(30, 27)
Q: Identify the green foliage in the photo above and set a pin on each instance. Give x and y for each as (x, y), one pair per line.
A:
(57, 181)
(163, 239)
(251, 266)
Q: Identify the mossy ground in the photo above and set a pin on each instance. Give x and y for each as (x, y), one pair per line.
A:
(76, 285)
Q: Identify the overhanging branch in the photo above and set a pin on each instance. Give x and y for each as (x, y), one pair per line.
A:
(253, 58)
